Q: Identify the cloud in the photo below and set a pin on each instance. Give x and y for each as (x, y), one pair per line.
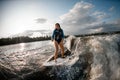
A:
(78, 17)
(100, 15)
(105, 26)
(82, 19)
(112, 8)
(41, 20)
(78, 14)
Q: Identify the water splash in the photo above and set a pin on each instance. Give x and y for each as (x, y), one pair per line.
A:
(92, 58)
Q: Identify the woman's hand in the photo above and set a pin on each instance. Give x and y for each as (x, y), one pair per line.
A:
(52, 39)
(64, 41)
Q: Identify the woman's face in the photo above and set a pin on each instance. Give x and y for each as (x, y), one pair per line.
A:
(57, 26)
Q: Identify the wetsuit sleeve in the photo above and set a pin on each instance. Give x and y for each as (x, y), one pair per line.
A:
(53, 35)
(63, 34)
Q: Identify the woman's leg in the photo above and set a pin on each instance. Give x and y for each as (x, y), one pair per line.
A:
(56, 50)
(62, 48)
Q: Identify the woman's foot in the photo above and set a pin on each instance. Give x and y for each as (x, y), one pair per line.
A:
(63, 56)
(55, 61)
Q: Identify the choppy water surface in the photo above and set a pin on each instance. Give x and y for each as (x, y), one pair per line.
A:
(23, 46)
(91, 58)
(21, 55)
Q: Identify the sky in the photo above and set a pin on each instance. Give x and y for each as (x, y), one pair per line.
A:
(75, 16)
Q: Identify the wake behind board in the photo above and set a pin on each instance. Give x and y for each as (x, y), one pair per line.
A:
(50, 61)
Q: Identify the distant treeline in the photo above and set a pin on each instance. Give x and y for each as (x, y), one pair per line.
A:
(15, 40)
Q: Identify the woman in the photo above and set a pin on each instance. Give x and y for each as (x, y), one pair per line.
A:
(57, 37)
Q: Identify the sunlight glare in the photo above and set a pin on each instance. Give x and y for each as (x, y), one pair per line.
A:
(22, 46)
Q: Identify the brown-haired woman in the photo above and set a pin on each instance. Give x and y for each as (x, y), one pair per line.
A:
(57, 37)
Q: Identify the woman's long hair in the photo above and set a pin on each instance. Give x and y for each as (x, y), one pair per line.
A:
(58, 25)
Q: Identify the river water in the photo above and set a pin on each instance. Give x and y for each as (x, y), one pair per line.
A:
(23, 47)
(18, 56)
(92, 58)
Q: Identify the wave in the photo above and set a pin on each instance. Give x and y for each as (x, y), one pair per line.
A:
(91, 58)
